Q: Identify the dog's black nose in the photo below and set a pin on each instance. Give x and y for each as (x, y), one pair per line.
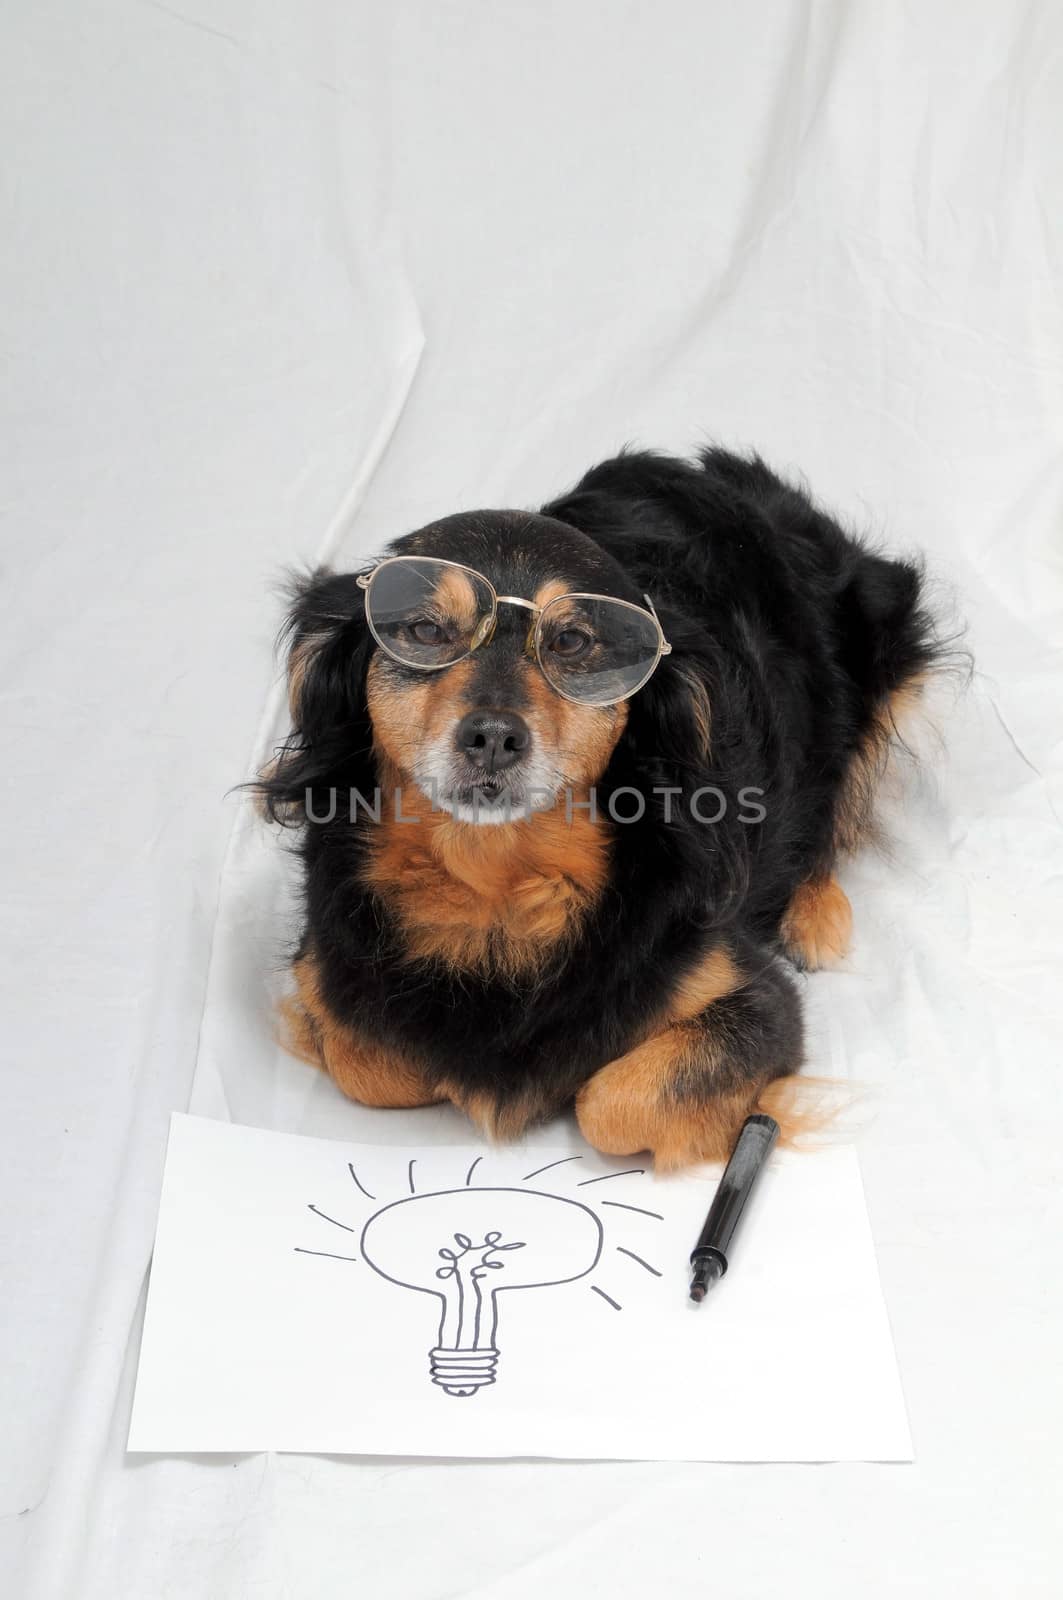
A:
(493, 740)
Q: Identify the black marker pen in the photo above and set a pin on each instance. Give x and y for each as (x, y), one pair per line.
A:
(709, 1255)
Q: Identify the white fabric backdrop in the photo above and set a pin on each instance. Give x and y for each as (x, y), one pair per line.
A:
(282, 280)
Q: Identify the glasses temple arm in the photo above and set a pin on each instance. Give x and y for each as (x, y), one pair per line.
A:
(666, 648)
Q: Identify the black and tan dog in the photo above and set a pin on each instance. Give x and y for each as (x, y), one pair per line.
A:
(572, 786)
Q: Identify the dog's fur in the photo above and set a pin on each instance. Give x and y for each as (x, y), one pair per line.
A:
(636, 970)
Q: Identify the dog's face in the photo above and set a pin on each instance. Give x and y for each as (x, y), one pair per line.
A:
(487, 738)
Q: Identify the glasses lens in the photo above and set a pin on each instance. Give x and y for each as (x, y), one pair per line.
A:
(596, 650)
(425, 613)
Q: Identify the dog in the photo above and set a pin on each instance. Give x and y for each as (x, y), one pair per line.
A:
(572, 787)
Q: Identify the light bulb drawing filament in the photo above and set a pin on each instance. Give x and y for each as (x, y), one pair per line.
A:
(464, 1329)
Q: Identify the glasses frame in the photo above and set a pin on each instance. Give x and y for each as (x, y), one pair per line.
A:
(485, 628)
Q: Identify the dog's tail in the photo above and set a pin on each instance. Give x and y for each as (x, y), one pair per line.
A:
(889, 636)
(807, 1108)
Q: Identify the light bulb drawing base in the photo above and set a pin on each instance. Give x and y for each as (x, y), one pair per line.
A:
(462, 1372)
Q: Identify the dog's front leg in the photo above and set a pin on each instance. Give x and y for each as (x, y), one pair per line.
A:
(684, 1093)
(366, 1071)
(374, 1075)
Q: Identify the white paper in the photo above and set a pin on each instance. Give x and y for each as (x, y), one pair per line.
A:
(277, 1319)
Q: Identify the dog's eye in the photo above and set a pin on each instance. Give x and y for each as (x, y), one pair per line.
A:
(572, 642)
(427, 632)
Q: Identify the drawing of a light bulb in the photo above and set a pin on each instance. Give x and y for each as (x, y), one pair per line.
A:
(465, 1246)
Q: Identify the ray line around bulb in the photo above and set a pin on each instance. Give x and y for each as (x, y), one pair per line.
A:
(299, 1250)
(472, 1169)
(358, 1181)
(634, 1257)
(614, 1303)
(620, 1206)
(630, 1173)
(549, 1164)
(409, 1174)
(325, 1216)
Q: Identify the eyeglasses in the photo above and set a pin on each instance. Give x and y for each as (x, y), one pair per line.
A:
(429, 614)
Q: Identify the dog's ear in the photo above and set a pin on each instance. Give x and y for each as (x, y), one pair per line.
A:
(691, 712)
(670, 721)
(328, 644)
(678, 728)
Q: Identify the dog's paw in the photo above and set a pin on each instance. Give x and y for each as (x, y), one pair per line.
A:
(818, 924)
(630, 1106)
